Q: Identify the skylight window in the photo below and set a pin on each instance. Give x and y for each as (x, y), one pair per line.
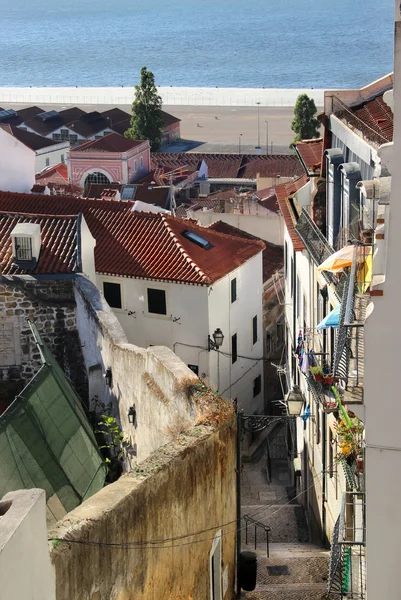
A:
(197, 239)
(48, 115)
(5, 114)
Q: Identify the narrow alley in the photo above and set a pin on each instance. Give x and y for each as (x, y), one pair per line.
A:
(295, 569)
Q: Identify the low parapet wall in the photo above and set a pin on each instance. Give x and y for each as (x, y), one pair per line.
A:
(185, 487)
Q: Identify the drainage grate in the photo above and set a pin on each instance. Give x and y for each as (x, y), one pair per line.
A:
(278, 570)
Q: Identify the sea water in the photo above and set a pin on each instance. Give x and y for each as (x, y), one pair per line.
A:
(224, 43)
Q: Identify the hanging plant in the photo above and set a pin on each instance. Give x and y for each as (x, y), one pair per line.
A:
(350, 440)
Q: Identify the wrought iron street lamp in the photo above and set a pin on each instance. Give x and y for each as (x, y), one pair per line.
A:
(217, 341)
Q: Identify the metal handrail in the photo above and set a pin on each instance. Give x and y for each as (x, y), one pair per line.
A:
(343, 112)
(257, 524)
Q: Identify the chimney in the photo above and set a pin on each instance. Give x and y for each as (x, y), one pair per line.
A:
(26, 243)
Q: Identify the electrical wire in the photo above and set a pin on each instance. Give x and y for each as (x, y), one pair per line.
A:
(153, 543)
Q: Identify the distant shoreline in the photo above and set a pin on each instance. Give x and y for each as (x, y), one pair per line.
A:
(172, 96)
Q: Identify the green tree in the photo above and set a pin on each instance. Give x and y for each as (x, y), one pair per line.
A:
(146, 121)
(305, 124)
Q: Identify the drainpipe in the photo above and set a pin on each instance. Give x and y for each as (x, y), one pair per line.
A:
(238, 496)
(324, 466)
(294, 315)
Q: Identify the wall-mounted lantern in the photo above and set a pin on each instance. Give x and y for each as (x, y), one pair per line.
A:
(132, 415)
(217, 341)
(108, 377)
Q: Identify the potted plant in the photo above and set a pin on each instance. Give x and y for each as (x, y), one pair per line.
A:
(316, 372)
(329, 379)
(349, 434)
(360, 463)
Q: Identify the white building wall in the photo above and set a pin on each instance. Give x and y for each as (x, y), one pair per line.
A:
(88, 244)
(53, 154)
(382, 391)
(26, 572)
(269, 228)
(17, 165)
(193, 313)
(236, 380)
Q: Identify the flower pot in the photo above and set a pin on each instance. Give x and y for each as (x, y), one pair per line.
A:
(329, 379)
(318, 377)
(360, 463)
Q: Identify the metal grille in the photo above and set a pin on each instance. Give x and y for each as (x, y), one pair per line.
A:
(342, 344)
(347, 566)
(23, 246)
(371, 132)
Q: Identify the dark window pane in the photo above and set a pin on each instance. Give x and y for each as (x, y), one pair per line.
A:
(257, 386)
(157, 302)
(234, 354)
(233, 290)
(112, 293)
(255, 329)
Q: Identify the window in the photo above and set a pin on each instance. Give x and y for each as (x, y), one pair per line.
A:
(255, 329)
(47, 162)
(64, 134)
(197, 239)
(317, 418)
(234, 350)
(73, 138)
(319, 304)
(331, 453)
(56, 137)
(62, 158)
(135, 166)
(298, 294)
(23, 247)
(305, 305)
(268, 344)
(280, 333)
(257, 385)
(233, 290)
(157, 301)
(285, 259)
(141, 163)
(112, 293)
(292, 276)
(97, 178)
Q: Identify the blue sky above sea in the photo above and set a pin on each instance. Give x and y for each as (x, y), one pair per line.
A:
(225, 43)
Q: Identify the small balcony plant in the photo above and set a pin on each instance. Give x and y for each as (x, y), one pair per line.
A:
(349, 437)
(316, 372)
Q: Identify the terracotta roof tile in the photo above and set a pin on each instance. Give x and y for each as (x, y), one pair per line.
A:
(144, 245)
(29, 139)
(311, 152)
(233, 166)
(54, 174)
(114, 142)
(59, 243)
(273, 256)
(376, 114)
(283, 192)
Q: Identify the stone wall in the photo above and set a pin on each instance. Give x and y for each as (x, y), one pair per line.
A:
(151, 380)
(50, 304)
(187, 486)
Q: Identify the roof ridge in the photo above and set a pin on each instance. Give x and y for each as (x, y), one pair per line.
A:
(234, 237)
(182, 250)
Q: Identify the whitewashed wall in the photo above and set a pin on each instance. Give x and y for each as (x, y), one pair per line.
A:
(269, 228)
(17, 165)
(25, 568)
(55, 154)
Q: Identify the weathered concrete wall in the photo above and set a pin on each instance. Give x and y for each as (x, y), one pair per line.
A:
(50, 304)
(148, 379)
(186, 486)
(25, 568)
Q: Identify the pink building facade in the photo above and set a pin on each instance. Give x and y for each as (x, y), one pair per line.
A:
(110, 159)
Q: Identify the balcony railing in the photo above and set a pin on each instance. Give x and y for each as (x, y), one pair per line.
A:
(347, 567)
(371, 132)
(318, 247)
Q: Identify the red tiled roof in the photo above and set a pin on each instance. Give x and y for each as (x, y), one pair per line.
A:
(143, 245)
(233, 166)
(168, 119)
(268, 199)
(273, 256)
(54, 174)
(283, 192)
(59, 244)
(29, 139)
(114, 142)
(376, 114)
(311, 152)
(272, 165)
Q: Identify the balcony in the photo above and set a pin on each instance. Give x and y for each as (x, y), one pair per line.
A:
(347, 568)
(371, 132)
(318, 247)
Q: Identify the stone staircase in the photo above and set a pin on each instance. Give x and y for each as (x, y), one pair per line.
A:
(295, 569)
